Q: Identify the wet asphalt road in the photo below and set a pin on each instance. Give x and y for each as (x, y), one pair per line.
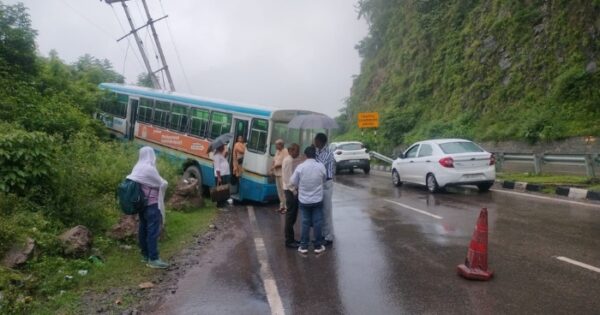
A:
(390, 259)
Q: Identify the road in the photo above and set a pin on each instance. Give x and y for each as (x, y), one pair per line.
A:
(396, 252)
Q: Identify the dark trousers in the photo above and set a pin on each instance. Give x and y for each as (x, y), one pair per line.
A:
(291, 215)
(149, 231)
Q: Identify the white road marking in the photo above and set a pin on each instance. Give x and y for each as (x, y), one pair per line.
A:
(266, 273)
(414, 209)
(547, 198)
(578, 263)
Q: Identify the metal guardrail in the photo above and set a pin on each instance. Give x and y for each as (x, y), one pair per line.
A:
(381, 157)
(591, 162)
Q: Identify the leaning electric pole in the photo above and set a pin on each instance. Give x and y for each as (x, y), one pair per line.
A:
(134, 32)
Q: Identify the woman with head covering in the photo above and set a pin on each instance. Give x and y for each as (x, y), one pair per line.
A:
(153, 215)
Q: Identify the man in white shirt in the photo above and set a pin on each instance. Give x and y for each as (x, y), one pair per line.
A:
(309, 178)
(288, 167)
(280, 154)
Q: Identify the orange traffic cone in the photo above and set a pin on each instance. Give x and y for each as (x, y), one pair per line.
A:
(476, 263)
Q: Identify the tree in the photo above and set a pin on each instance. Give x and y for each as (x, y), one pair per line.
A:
(17, 40)
(144, 79)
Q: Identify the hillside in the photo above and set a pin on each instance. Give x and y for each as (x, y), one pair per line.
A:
(485, 70)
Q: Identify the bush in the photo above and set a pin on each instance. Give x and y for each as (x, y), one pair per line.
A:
(26, 160)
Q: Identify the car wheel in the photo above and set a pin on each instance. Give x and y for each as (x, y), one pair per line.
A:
(351, 170)
(485, 186)
(367, 170)
(432, 184)
(396, 178)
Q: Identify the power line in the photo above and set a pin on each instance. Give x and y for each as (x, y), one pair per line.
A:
(81, 15)
(187, 82)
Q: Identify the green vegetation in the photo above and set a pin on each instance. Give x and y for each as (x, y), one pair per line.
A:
(485, 70)
(122, 268)
(553, 180)
(58, 169)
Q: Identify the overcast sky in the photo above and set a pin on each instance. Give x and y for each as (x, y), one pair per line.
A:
(279, 53)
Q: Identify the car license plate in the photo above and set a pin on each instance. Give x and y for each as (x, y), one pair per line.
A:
(354, 161)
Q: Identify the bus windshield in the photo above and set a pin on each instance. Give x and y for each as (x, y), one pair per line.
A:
(302, 137)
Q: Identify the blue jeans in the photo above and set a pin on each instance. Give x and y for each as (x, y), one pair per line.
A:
(149, 231)
(312, 214)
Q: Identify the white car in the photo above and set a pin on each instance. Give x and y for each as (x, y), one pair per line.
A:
(350, 155)
(445, 162)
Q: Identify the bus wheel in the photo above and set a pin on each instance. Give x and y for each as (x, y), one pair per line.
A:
(193, 172)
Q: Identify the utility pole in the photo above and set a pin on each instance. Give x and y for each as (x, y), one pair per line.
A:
(159, 47)
(139, 42)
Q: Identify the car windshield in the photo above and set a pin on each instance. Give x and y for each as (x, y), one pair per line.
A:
(350, 146)
(460, 147)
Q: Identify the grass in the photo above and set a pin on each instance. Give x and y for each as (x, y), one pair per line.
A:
(549, 180)
(122, 268)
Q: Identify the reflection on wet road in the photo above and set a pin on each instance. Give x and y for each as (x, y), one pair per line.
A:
(396, 252)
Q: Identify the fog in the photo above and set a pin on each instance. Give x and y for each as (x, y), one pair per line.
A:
(278, 53)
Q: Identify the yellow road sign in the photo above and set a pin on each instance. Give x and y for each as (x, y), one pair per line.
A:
(368, 120)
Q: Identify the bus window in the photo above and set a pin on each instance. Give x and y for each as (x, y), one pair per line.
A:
(220, 123)
(258, 136)
(115, 104)
(161, 114)
(145, 110)
(178, 117)
(199, 121)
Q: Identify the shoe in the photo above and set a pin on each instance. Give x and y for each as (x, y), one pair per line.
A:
(302, 250)
(293, 244)
(157, 264)
(319, 249)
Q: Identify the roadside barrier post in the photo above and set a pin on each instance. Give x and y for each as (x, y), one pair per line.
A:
(499, 161)
(537, 163)
(589, 165)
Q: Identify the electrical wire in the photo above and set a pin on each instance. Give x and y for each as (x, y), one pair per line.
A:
(187, 82)
(81, 15)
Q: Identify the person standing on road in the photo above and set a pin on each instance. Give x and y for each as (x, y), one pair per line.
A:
(309, 178)
(280, 154)
(325, 157)
(221, 169)
(152, 217)
(288, 167)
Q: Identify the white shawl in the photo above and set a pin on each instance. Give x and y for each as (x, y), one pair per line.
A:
(145, 172)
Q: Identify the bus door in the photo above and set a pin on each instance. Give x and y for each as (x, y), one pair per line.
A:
(241, 129)
(133, 106)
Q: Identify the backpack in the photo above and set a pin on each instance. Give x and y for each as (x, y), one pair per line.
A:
(131, 197)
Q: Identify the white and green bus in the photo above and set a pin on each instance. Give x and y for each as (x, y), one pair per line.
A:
(183, 126)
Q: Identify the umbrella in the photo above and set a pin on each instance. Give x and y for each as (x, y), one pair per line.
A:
(220, 140)
(312, 121)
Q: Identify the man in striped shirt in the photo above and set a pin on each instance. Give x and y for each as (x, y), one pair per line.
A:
(325, 157)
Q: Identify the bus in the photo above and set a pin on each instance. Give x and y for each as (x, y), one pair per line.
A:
(183, 126)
